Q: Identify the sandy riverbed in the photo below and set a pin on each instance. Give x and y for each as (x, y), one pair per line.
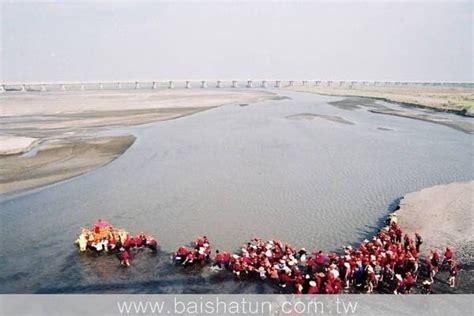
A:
(443, 216)
(463, 124)
(59, 124)
(456, 99)
(60, 160)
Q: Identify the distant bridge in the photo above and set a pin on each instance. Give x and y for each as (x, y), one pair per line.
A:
(198, 83)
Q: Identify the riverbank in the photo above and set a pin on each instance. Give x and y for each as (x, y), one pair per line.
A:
(443, 216)
(456, 100)
(459, 123)
(49, 137)
(60, 160)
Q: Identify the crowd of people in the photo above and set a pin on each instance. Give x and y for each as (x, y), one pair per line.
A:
(198, 254)
(389, 262)
(103, 238)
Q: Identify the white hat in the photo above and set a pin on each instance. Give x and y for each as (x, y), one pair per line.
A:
(312, 283)
(399, 277)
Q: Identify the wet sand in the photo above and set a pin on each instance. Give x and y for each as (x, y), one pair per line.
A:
(459, 100)
(58, 126)
(312, 116)
(443, 216)
(59, 160)
(356, 103)
(466, 127)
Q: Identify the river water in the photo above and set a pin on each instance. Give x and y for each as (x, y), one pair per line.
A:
(232, 173)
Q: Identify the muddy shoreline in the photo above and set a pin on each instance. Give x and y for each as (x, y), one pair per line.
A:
(459, 101)
(371, 105)
(59, 161)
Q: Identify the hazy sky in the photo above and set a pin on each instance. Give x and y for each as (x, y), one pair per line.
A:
(366, 40)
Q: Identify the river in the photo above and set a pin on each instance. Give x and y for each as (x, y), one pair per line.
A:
(298, 169)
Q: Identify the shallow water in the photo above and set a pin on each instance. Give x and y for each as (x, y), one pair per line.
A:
(232, 173)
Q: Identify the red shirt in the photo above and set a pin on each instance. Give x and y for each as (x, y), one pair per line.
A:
(182, 251)
(313, 290)
(285, 278)
(448, 254)
(218, 258)
(124, 255)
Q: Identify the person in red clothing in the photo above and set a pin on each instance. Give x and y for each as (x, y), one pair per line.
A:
(433, 264)
(236, 267)
(408, 281)
(398, 284)
(313, 287)
(140, 240)
(285, 279)
(453, 272)
(152, 243)
(124, 257)
(448, 256)
(201, 241)
(192, 255)
(181, 254)
(218, 260)
(370, 278)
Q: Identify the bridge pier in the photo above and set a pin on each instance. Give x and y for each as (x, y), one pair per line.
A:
(316, 83)
(2, 88)
(249, 84)
(171, 85)
(23, 88)
(277, 84)
(119, 85)
(203, 84)
(137, 85)
(264, 84)
(43, 88)
(218, 84)
(101, 86)
(63, 87)
(291, 83)
(153, 85)
(188, 84)
(304, 82)
(234, 84)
